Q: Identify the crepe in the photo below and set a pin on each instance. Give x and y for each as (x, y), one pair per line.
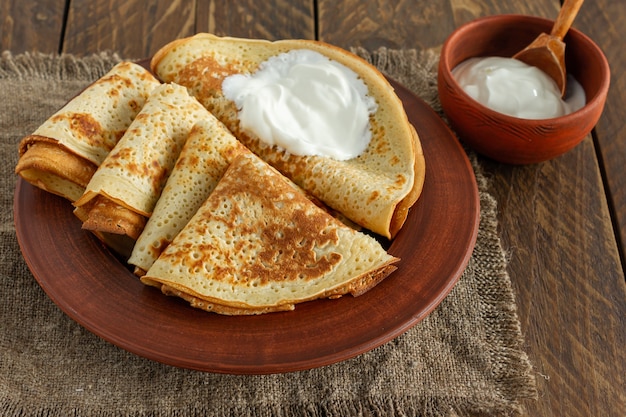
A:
(375, 189)
(126, 186)
(64, 152)
(208, 151)
(258, 245)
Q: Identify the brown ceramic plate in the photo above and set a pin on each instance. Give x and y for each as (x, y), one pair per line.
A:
(95, 289)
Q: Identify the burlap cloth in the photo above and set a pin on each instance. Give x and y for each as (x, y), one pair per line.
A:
(466, 358)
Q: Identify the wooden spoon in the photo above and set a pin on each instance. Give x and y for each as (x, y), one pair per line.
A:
(547, 52)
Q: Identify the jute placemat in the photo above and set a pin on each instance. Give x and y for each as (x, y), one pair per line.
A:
(466, 358)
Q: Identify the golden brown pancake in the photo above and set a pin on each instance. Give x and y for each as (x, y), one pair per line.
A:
(106, 216)
(208, 151)
(258, 245)
(133, 174)
(64, 152)
(52, 168)
(375, 189)
(116, 226)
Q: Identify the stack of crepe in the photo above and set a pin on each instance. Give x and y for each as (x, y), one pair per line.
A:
(64, 152)
(208, 151)
(205, 211)
(125, 188)
(258, 245)
(375, 190)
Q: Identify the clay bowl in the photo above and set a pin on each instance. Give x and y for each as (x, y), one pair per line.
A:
(510, 139)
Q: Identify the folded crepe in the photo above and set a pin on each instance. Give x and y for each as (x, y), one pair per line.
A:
(375, 189)
(208, 151)
(126, 186)
(258, 245)
(64, 152)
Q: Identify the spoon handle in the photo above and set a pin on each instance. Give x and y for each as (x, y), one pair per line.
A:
(566, 17)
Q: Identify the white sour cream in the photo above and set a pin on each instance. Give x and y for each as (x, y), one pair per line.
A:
(512, 87)
(304, 103)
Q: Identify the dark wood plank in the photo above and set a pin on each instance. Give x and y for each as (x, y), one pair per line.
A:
(372, 24)
(409, 24)
(134, 29)
(566, 272)
(465, 11)
(277, 19)
(604, 21)
(27, 26)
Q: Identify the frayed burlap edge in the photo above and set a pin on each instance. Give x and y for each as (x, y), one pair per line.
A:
(55, 66)
(406, 407)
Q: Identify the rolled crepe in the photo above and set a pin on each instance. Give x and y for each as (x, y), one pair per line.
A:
(126, 186)
(208, 151)
(64, 152)
(258, 245)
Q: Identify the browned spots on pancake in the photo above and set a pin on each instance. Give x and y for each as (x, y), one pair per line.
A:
(115, 79)
(373, 196)
(193, 262)
(277, 234)
(205, 75)
(120, 157)
(299, 168)
(124, 159)
(159, 246)
(400, 180)
(232, 151)
(135, 107)
(83, 125)
(191, 162)
(289, 249)
(289, 238)
(158, 175)
(382, 146)
(131, 168)
(141, 117)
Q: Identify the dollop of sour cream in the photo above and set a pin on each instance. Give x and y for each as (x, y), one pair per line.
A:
(517, 89)
(305, 103)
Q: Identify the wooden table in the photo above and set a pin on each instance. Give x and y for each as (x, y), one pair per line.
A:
(563, 222)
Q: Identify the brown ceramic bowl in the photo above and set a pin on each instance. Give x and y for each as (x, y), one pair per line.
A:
(510, 139)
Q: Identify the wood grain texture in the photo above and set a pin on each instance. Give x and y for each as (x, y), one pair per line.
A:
(393, 24)
(132, 28)
(466, 10)
(27, 26)
(604, 21)
(135, 30)
(409, 24)
(569, 282)
(276, 19)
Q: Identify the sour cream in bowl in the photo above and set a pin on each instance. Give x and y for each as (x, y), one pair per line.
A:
(513, 87)
(507, 116)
